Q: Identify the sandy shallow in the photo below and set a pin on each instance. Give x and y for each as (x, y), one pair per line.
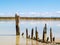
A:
(17, 40)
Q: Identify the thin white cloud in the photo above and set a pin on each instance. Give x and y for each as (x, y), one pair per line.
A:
(6, 15)
(34, 14)
(41, 14)
(22, 13)
(1, 13)
(57, 11)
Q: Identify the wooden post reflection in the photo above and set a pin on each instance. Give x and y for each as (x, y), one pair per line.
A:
(37, 43)
(17, 40)
(32, 42)
(27, 42)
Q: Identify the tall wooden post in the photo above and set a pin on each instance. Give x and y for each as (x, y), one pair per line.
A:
(26, 33)
(50, 34)
(32, 34)
(36, 33)
(17, 24)
(45, 33)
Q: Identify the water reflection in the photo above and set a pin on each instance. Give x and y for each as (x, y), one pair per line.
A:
(25, 41)
(31, 42)
(17, 40)
(37, 43)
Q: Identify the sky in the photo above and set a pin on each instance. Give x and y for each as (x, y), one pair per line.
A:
(30, 8)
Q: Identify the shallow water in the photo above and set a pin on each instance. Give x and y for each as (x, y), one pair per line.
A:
(17, 40)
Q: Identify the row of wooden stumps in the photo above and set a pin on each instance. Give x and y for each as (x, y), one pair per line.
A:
(45, 39)
(32, 32)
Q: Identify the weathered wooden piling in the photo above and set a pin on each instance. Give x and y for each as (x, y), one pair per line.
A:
(26, 33)
(45, 33)
(53, 39)
(32, 34)
(17, 24)
(47, 39)
(36, 33)
(50, 34)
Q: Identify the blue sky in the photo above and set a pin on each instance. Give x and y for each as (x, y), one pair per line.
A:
(28, 8)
